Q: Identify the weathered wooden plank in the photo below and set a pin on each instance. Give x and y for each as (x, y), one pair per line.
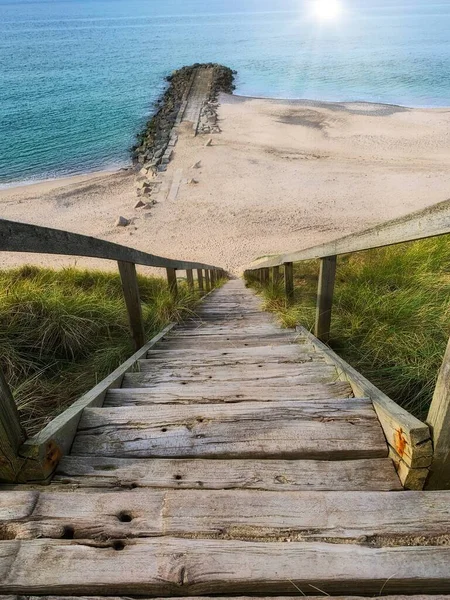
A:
(375, 518)
(288, 351)
(429, 222)
(45, 449)
(281, 376)
(227, 392)
(270, 475)
(219, 342)
(132, 298)
(331, 430)
(173, 566)
(408, 436)
(439, 421)
(325, 290)
(11, 434)
(415, 597)
(24, 237)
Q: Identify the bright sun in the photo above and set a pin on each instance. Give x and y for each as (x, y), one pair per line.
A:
(327, 9)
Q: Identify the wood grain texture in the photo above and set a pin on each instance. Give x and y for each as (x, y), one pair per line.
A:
(132, 298)
(378, 519)
(271, 475)
(339, 429)
(325, 290)
(439, 420)
(200, 393)
(24, 237)
(173, 566)
(402, 597)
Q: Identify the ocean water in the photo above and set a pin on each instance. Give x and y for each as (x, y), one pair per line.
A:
(78, 77)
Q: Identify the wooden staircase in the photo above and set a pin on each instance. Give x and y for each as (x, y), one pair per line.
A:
(234, 462)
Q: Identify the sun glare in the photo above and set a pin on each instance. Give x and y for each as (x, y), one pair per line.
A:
(327, 9)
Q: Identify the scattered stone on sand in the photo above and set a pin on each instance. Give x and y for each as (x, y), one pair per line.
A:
(122, 222)
(192, 181)
(139, 204)
(209, 142)
(197, 165)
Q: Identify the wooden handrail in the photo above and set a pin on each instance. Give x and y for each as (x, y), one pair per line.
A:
(430, 222)
(23, 237)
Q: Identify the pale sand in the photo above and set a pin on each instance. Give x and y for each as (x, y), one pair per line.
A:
(282, 175)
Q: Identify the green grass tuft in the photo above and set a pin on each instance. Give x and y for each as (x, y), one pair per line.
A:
(63, 331)
(390, 314)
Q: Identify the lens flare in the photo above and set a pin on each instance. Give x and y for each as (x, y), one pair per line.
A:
(327, 9)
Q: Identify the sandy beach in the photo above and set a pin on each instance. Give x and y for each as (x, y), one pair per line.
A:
(281, 176)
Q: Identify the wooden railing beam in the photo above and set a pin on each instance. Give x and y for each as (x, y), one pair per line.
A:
(172, 281)
(190, 279)
(200, 280)
(439, 421)
(289, 281)
(132, 301)
(11, 434)
(325, 289)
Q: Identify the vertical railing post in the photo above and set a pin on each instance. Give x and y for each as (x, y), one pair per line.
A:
(439, 421)
(200, 280)
(172, 281)
(325, 289)
(275, 275)
(190, 279)
(130, 289)
(11, 434)
(289, 281)
(265, 274)
(207, 281)
(212, 277)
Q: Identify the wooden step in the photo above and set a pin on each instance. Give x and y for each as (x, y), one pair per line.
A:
(172, 566)
(273, 375)
(271, 475)
(414, 597)
(204, 393)
(329, 430)
(219, 342)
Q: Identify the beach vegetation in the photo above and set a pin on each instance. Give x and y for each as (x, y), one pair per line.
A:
(61, 332)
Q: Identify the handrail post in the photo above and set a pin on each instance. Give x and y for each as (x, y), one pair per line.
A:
(275, 275)
(172, 281)
(325, 290)
(200, 280)
(212, 277)
(289, 281)
(11, 434)
(265, 273)
(190, 279)
(207, 281)
(130, 289)
(439, 421)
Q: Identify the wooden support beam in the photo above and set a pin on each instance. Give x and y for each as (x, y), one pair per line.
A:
(11, 434)
(130, 288)
(200, 280)
(265, 273)
(172, 280)
(276, 275)
(439, 421)
(207, 281)
(325, 289)
(190, 278)
(289, 281)
(212, 276)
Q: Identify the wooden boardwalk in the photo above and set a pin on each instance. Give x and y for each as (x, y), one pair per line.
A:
(234, 462)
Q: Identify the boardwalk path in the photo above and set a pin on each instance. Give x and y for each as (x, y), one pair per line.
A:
(234, 462)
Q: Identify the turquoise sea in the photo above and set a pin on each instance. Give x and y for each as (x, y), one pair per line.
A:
(78, 77)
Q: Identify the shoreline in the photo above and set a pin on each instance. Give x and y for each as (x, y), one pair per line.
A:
(341, 105)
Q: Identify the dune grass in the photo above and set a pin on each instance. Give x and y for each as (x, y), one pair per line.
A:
(63, 331)
(391, 314)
